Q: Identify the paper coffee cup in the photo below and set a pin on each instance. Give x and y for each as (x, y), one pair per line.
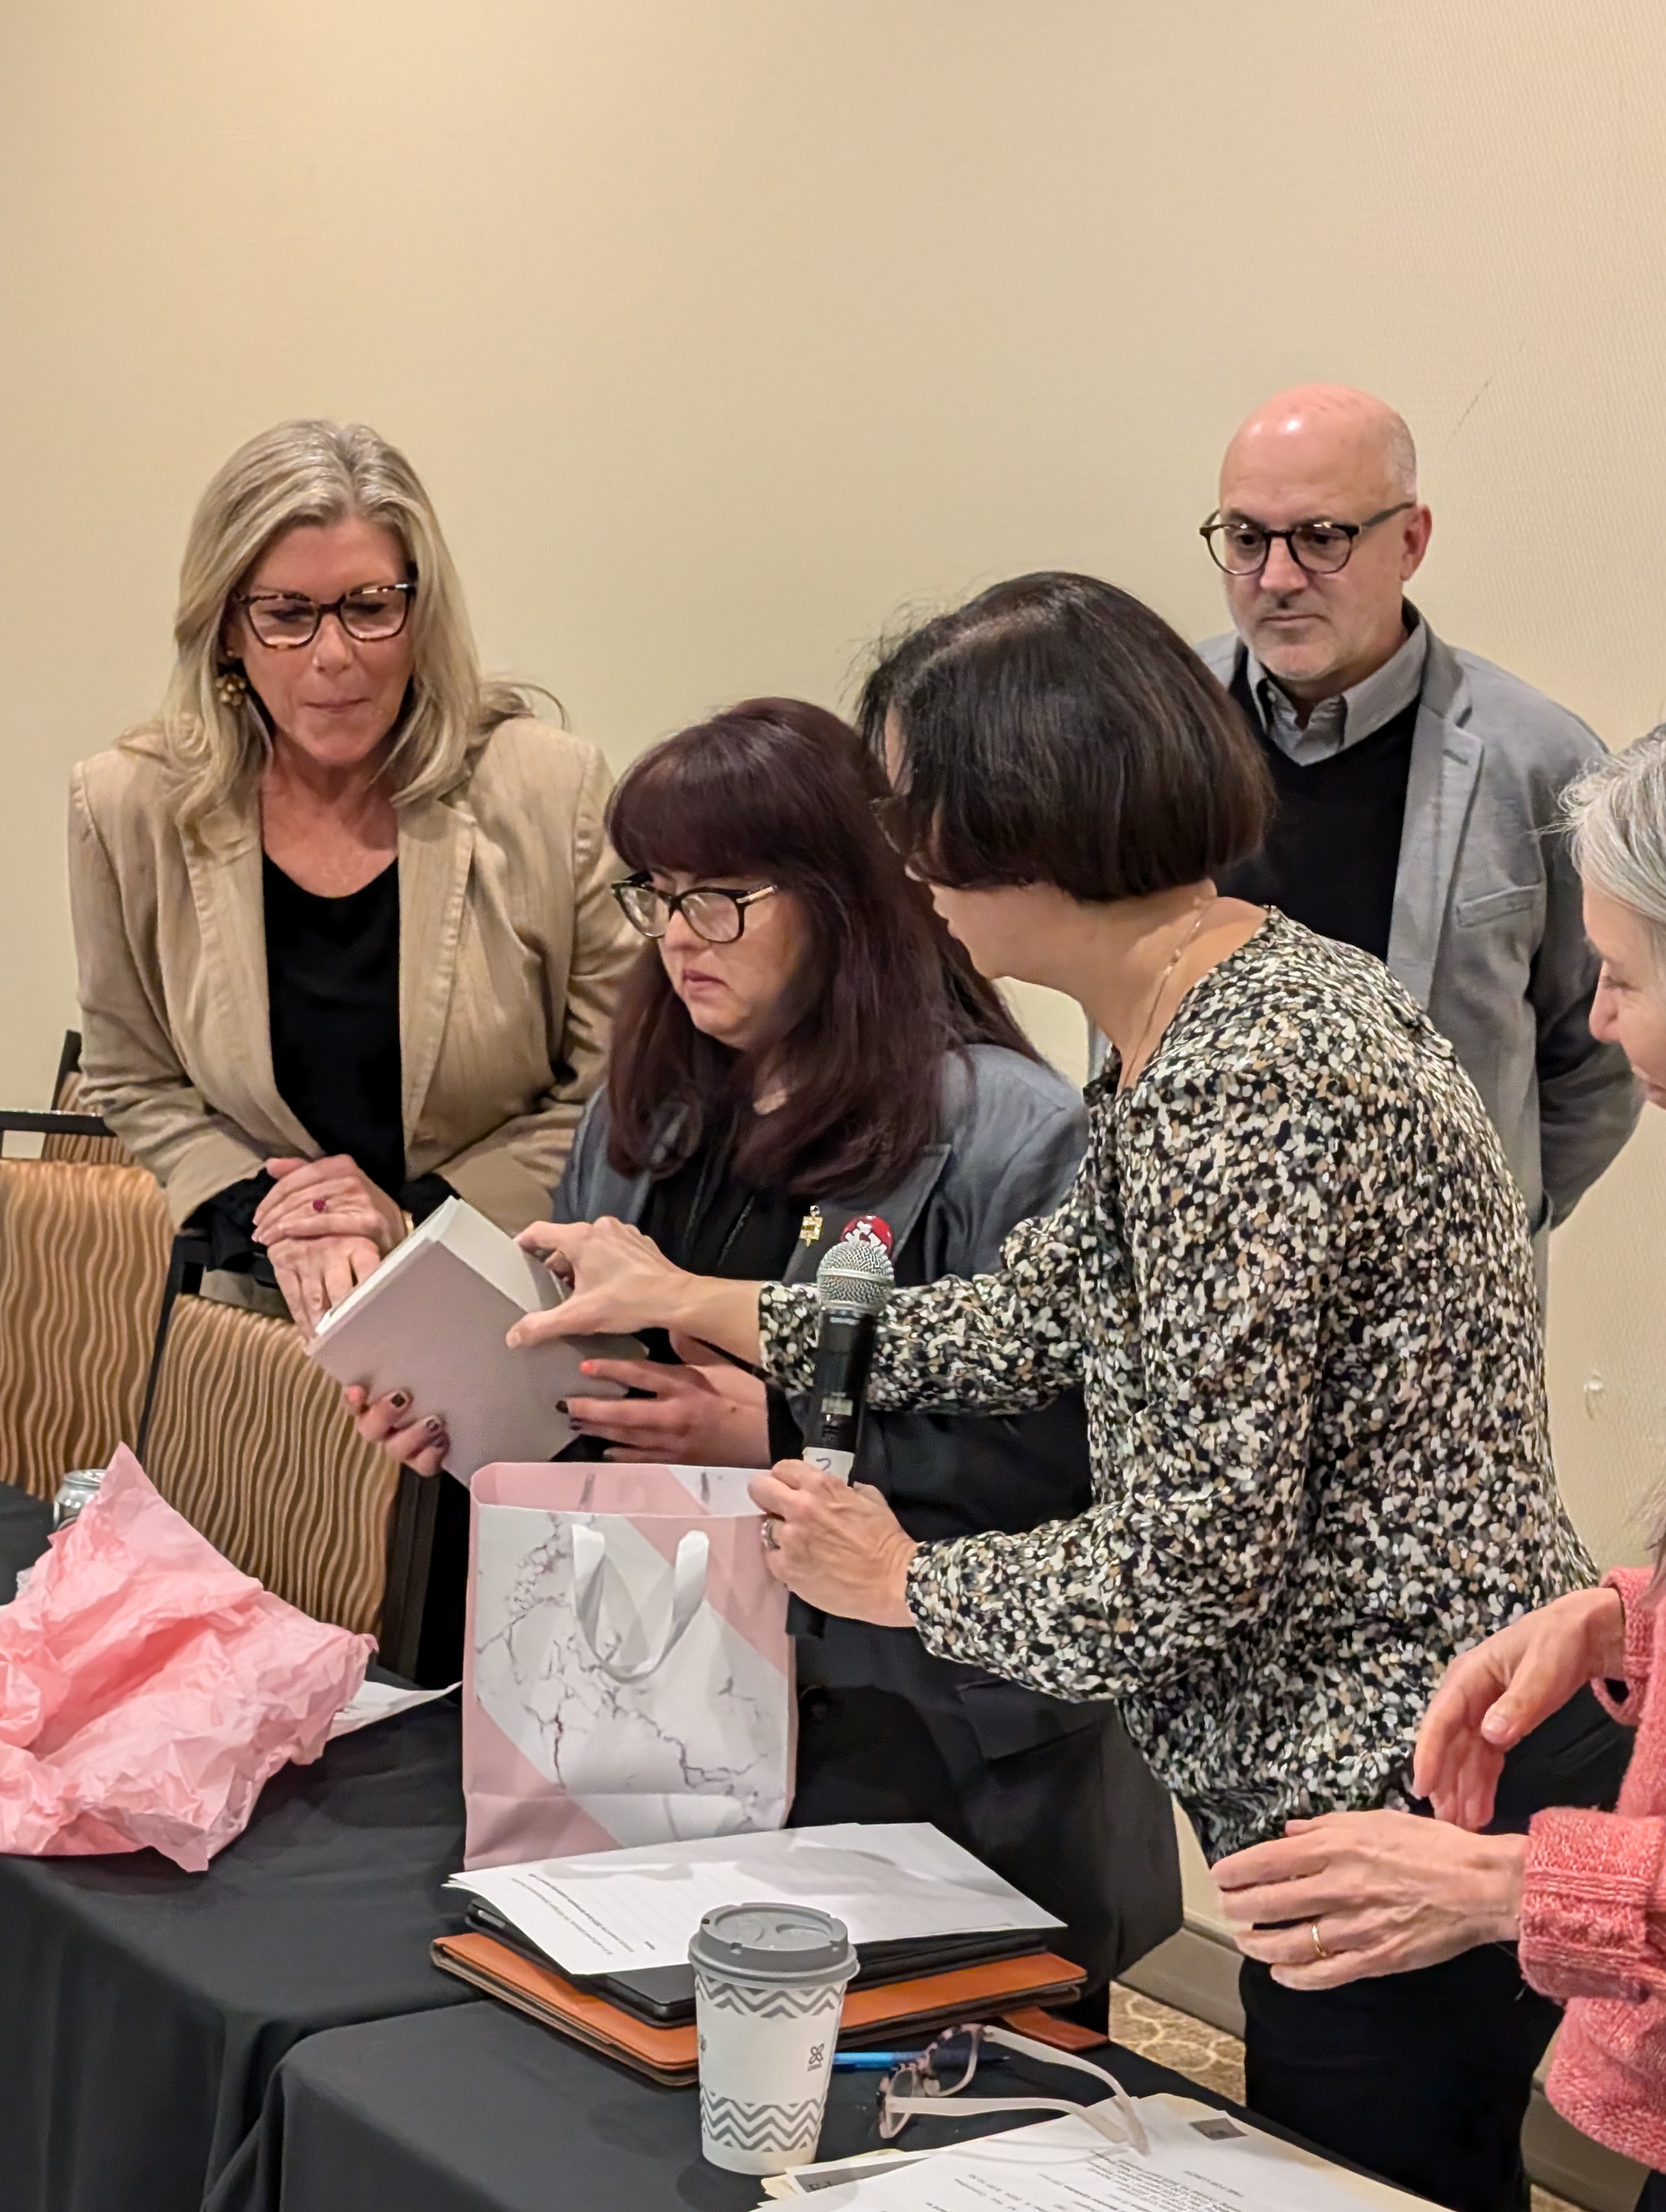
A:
(768, 1990)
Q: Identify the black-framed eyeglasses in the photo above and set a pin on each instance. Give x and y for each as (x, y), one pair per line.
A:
(284, 620)
(715, 916)
(1320, 547)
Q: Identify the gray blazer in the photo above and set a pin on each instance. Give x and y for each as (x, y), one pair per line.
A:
(1053, 1794)
(1486, 933)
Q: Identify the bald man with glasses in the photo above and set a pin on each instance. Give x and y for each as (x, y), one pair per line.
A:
(1418, 791)
(1418, 786)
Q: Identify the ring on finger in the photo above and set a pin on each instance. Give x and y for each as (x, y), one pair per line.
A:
(766, 1535)
(1319, 1950)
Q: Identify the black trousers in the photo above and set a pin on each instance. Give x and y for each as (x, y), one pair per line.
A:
(1424, 2078)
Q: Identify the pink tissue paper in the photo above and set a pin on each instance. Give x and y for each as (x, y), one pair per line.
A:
(147, 1689)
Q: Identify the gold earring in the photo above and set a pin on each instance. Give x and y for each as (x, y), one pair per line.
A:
(231, 686)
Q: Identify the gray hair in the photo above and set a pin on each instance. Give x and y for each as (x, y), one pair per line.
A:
(317, 473)
(1617, 819)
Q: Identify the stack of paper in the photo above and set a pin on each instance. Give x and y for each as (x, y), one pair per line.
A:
(1198, 2160)
(611, 1913)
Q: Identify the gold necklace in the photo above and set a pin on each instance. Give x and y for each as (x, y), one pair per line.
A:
(1179, 954)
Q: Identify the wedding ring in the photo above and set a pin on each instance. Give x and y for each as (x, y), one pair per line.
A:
(766, 1535)
(1319, 1950)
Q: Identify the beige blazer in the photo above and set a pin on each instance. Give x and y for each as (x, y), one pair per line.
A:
(511, 951)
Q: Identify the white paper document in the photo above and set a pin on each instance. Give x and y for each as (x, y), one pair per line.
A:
(613, 1912)
(1199, 2160)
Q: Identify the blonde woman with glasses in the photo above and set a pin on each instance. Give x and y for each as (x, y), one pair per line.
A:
(341, 909)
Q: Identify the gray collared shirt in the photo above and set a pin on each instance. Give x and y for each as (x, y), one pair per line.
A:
(1335, 724)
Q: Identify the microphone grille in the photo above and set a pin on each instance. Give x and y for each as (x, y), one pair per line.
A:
(855, 1273)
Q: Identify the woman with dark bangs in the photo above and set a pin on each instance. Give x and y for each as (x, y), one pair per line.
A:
(801, 1041)
(1294, 1282)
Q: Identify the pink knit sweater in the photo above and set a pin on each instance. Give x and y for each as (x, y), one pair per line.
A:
(1594, 1917)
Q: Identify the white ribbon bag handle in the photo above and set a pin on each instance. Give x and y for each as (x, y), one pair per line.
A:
(688, 1595)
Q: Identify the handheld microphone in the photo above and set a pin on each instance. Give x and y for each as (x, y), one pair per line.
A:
(854, 1284)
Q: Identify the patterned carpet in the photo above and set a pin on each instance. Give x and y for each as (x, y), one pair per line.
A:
(1206, 2055)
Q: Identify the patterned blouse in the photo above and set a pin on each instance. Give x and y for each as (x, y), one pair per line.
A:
(1294, 1278)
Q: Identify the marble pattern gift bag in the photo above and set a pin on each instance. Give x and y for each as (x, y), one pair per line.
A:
(627, 1671)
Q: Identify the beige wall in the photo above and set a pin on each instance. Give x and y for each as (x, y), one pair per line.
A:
(727, 331)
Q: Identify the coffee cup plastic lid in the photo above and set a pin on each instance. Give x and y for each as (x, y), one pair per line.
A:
(774, 1942)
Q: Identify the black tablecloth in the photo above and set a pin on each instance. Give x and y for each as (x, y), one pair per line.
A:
(24, 1524)
(476, 2110)
(143, 2009)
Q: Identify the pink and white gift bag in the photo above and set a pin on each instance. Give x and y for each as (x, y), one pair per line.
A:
(627, 1674)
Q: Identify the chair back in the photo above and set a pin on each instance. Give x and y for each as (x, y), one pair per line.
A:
(103, 1340)
(83, 1252)
(251, 1442)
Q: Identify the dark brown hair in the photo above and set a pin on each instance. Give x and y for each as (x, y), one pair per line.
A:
(783, 790)
(1055, 730)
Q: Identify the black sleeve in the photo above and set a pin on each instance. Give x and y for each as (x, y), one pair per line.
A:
(424, 1195)
(225, 1224)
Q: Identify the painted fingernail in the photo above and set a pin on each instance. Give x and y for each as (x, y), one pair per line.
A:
(433, 1428)
(320, 1205)
(399, 1400)
(561, 1405)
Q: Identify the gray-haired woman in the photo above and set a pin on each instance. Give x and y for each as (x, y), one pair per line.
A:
(1581, 1893)
(341, 910)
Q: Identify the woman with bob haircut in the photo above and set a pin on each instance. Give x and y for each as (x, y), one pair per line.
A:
(341, 909)
(1581, 1893)
(1293, 1280)
(799, 1042)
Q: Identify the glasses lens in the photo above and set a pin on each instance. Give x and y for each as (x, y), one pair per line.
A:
(643, 908)
(373, 614)
(715, 915)
(285, 618)
(1322, 548)
(1239, 548)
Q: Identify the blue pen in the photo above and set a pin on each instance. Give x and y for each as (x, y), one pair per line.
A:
(887, 2061)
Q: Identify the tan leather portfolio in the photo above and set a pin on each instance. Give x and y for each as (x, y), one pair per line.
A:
(668, 2054)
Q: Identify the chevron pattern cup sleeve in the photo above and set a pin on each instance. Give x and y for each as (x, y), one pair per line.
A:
(769, 1993)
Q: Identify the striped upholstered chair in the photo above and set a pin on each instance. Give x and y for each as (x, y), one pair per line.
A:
(83, 1252)
(238, 1428)
(249, 1440)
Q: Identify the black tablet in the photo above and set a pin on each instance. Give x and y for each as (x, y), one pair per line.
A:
(664, 1995)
